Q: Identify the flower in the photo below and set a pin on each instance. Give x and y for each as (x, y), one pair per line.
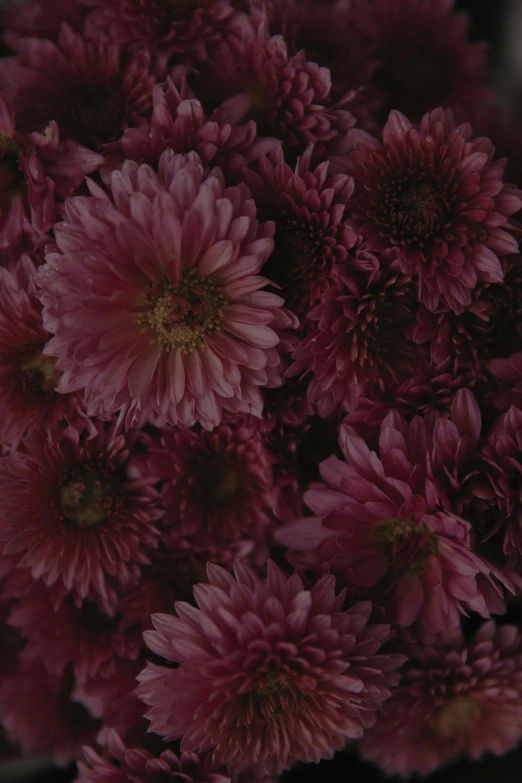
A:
(379, 528)
(435, 195)
(509, 374)
(269, 673)
(356, 343)
(69, 512)
(312, 235)
(84, 637)
(28, 378)
(155, 302)
(455, 698)
(90, 87)
(289, 96)
(31, 693)
(40, 19)
(217, 491)
(34, 170)
(179, 121)
(137, 765)
(184, 28)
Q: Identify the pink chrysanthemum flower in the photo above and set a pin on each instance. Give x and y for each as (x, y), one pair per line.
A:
(38, 714)
(69, 512)
(435, 195)
(503, 457)
(269, 673)
(455, 698)
(356, 343)
(40, 19)
(90, 87)
(28, 379)
(34, 170)
(289, 96)
(155, 301)
(312, 236)
(217, 490)
(378, 526)
(84, 637)
(137, 765)
(179, 121)
(186, 29)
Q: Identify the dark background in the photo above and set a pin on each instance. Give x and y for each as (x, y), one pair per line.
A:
(488, 22)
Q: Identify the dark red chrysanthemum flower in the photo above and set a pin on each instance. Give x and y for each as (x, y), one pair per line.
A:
(70, 513)
(86, 638)
(289, 96)
(356, 343)
(487, 329)
(180, 122)
(28, 378)
(379, 527)
(34, 170)
(155, 301)
(269, 673)
(38, 714)
(218, 490)
(309, 209)
(455, 698)
(90, 87)
(435, 195)
(184, 28)
(137, 765)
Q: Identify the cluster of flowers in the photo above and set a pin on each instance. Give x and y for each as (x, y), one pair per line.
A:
(260, 388)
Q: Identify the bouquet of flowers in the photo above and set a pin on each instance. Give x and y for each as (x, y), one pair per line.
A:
(260, 388)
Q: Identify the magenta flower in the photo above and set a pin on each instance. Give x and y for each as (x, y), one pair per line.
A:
(289, 96)
(90, 87)
(30, 693)
(356, 343)
(269, 673)
(137, 765)
(28, 378)
(312, 236)
(185, 28)
(378, 526)
(155, 301)
(70, 514)
(34, 170)
(435, 195)
(455, 698)
(179, 121)
(217, 490)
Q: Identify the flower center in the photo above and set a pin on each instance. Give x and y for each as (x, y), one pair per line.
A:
(271, 697)
(94, 113)
(96, 621)
(454, 718)
(408, 544)
(86, 499)
(181, 315)
(39, 376)
(221, 482)
(176, 9)
(418, 211)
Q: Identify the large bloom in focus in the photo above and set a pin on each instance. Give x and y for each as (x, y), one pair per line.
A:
(28, 379)
(378, 526)
(69, 512)
(312, 236)
(269, 674)
(91, 88)
(180, 122)
(155, 301)
(136, 765)
(217, 490)
(455, 698)
(34, 170)
(356, 343)
(185, 28)
(38, 714)
(289, 96)
(435, 195)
